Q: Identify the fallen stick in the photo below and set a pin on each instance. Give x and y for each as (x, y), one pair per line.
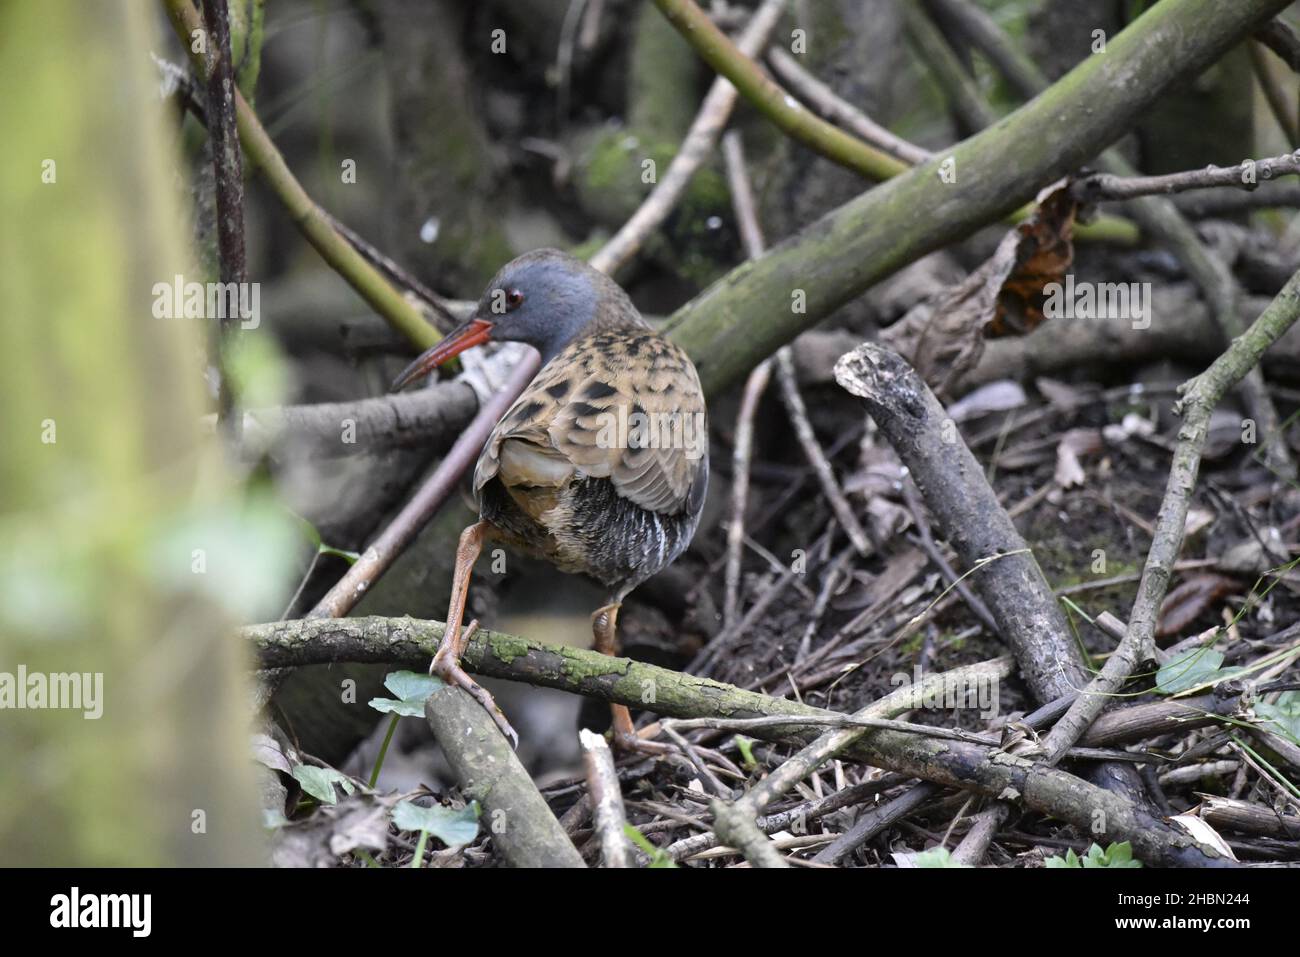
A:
(519, 819)
(967, 511)
(606, 799)
(874, 821)
(738, 818)
(796, 818)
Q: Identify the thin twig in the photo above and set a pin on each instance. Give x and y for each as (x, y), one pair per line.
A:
(931, 548)
(696, 147)
(834, 575)
(741, 453)
(825, 101)
(803, 431)
(443, 308)
(752, 240)
(776, 104)
(415, 514)
(1106, 187)
(742, 198)
(979, 28)
(1279, 101)
(958, 86)
(227, 167)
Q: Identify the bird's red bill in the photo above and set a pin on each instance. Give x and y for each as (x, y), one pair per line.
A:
(473, 333)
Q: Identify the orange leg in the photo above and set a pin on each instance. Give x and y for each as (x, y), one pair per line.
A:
(604, 625)
(446, 663)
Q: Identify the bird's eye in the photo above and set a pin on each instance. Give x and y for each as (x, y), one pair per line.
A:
(514, 299)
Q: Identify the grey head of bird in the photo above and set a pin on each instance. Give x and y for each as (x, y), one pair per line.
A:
(545, 298)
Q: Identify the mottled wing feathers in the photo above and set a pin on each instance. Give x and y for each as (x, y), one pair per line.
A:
(625, 406)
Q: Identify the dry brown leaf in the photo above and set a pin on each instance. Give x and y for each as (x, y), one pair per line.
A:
(943, 337)
(1185, 603)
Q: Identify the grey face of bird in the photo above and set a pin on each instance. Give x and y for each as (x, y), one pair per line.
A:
(545, 299)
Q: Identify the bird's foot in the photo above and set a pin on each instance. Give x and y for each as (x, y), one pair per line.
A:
(446, 665)
(633, 743)
(624, 738)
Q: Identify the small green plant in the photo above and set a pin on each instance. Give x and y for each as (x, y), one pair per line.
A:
(452, 827)
(319, 782)
(746, 748)
(412, 689)
(657, 856)
(1283, 716)
(1117, 855)
(936, 857)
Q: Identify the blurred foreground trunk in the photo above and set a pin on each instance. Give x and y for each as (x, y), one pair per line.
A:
(116, 550)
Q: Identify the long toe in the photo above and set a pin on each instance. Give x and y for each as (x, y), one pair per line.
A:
(451, 672)
(633, 743)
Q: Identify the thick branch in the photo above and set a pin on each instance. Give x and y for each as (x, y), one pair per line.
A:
(522, 825)
(949, 763)
(426, 418)
(747, 315)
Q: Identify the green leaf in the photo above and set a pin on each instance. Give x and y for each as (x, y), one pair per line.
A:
(936, 857)
(412, 684)
(1187, 670)
(350, 557)
(407, 709)
(1071, 859)
(1117, 855)
(1283, 715)
(319, 782)
(411, 688)
(450, 825)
